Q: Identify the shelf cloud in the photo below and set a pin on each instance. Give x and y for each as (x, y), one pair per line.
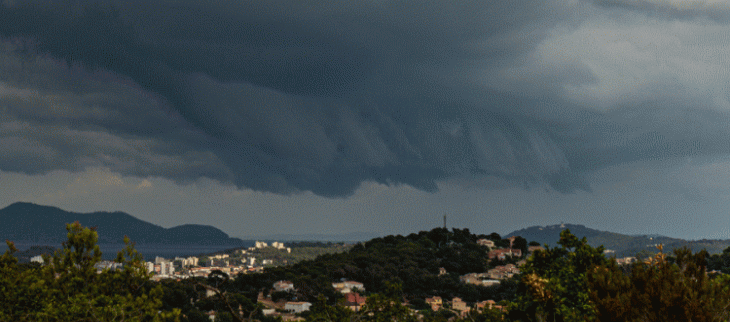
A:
(320, 96)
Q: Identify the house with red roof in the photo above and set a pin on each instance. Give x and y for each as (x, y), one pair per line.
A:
(354, 301)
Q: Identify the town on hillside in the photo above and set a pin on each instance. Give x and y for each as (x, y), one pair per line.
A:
(436, 275)
(266, 255)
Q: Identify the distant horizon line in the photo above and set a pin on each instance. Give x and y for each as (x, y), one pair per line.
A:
(344, 237)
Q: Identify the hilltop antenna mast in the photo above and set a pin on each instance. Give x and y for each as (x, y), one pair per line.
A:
(444, 221)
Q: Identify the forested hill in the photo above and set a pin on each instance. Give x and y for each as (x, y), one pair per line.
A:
(551, 234)
(411, 264)
(623, 245)
(27, 222)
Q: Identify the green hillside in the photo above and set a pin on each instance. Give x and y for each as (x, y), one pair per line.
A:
(412, 262)
(622, 245)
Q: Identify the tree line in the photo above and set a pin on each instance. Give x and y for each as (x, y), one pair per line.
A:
(572, 281)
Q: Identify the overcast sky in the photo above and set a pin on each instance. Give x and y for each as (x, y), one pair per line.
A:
(299, 117)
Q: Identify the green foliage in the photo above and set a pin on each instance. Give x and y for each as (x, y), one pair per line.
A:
(69, 288)
(321, 311)
(505, 291)
(195, 315)
(382, 308)
(190, 296)
(571, 282)
(554, 285)
(282, 295)
(487, 315)
(720, 262)
(442, 315)
(377, 308)
(660, 290)
(419, 304)
(223, 316)
(521, 244)
(413, 261)
(623, 245)
(575, 282)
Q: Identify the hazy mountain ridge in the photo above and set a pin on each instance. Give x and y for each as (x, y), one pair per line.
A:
(45, 225)
(621, 244)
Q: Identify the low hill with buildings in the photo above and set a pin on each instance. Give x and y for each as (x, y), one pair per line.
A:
(619, 245)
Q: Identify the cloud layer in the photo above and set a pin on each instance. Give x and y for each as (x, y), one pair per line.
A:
(286, 97)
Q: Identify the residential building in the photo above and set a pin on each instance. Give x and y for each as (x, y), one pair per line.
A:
(471, 278)
(352, 285)
(190, 261)
(166, 268)
(108, 265)
(504, 252)
(485, 242)
(348, 286)
(297, 307)
(283, 286)
(435, 302)
(531, 249)
(483, 279)
(458, 305)
(488, 304)
(150, 267)
(354, 301)
(37, 259)
(502, 272)
(480, 306)
(625, 260)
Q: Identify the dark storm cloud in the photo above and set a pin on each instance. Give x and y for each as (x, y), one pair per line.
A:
(715, 10)
(287, 96)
